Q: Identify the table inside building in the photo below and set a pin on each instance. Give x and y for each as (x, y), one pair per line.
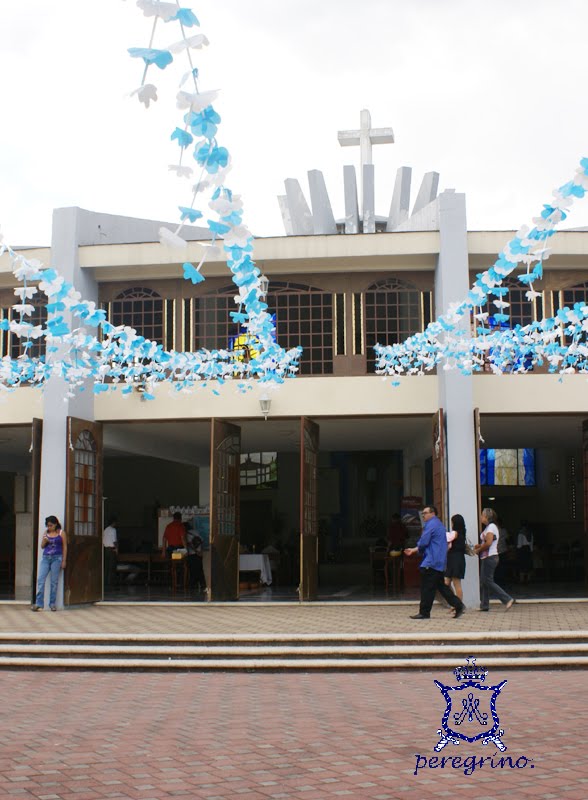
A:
(256, 562)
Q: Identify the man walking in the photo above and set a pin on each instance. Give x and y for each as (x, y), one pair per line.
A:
(433, 547)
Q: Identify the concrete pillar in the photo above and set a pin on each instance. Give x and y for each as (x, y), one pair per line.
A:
(67, 229)
(456, 390)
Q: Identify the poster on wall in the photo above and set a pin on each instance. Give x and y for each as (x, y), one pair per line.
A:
(410, 508)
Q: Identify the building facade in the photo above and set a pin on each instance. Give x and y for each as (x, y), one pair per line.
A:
(315, 468)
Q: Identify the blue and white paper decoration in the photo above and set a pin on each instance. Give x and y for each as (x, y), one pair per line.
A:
(92, 349)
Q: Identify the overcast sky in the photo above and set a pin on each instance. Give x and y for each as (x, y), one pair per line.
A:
(490, 93)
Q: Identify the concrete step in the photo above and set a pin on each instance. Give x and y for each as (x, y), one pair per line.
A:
(278, 664)
(211, 652)
(292, 651)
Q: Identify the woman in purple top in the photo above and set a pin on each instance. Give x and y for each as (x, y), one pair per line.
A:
(54, 544)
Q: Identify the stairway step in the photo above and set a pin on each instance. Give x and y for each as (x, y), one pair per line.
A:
(299, 638)
(123, 650)
(279, 664)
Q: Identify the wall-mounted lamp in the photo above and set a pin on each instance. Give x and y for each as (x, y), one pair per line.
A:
(265, 404)
(263, 285)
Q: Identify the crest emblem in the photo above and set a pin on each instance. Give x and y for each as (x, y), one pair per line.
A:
(470, 714)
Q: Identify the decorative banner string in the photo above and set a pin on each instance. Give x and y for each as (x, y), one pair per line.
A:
(110, 356)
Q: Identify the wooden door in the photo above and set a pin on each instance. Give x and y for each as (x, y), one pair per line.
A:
(83, 512)
(440, 466)
(36, 450)
(225, 466)
(309, 449)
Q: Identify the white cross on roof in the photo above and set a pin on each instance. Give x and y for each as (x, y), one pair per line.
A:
(365, 137)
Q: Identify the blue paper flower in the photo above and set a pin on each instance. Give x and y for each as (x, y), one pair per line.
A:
(161, 58)
(184, 138)
(191, 214)
(186, 16)
(192, 274)
(217, 227)
(205, 123)
(212, 158)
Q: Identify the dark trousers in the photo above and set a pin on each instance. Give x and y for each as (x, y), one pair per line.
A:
(431, 583)
(195, 572)
(110, 561)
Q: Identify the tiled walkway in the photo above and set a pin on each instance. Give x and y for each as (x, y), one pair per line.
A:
(295, 618)
(91, 736)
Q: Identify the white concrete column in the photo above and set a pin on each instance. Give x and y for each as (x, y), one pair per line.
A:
(456, 390)
(56, 407)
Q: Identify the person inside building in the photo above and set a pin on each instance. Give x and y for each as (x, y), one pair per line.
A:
(110, 547)
(432, 545)
(194, 545)
(487, 550)
(174, 536)
(525, 552)
(456, 542)
(54, 545)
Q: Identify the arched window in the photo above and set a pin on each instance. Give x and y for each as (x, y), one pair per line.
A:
(38, 317)
(86, 499)
(304, 316)
(141, 309)
(521, 310)
(394, 310)
(213, 326)
(574, 294)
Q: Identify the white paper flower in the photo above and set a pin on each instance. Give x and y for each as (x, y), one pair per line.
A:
(170, 239)
(196, 101)
(154, 8)
(24, 308)
(181, 171)
(196, 42)
(25, 292)
(146, 94)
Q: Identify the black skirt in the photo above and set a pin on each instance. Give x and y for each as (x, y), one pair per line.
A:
(455, 565)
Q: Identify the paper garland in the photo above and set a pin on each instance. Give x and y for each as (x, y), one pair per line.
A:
(117, 355)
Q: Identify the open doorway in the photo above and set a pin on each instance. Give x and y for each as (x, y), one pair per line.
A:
(532, 474)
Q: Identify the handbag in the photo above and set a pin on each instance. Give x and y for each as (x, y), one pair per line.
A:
(469, 548)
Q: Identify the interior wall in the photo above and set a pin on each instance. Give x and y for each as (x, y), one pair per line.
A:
(134, 489)
(7, 514)
(547, 506)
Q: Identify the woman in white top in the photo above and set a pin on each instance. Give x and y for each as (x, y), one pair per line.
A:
(487, 550)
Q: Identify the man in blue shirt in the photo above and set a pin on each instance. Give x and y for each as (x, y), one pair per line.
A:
(433, 547)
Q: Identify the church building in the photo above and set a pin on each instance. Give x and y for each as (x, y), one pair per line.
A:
(313, 471)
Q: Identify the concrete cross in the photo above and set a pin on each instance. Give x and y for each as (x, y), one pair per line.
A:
(365, 137)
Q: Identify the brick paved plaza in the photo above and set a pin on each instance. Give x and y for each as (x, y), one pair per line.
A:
(87, 736)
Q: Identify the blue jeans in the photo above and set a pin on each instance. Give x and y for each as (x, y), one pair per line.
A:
(49, 565)
(487, 586)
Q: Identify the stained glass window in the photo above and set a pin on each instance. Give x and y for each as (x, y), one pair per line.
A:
(506, 467)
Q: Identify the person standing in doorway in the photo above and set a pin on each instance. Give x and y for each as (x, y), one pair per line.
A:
(110, 545)
(455, 572)
(487, 551)
(525, 552)
(194, 545)
(433, 547)
(54, 545)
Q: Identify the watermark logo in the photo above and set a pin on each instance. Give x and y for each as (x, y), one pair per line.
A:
(470, 714)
